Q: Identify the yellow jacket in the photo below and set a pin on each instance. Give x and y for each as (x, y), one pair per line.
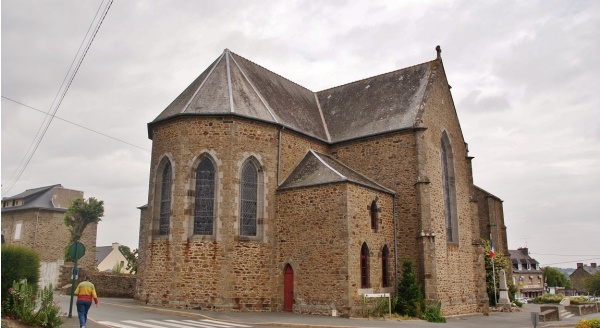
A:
(86, 291)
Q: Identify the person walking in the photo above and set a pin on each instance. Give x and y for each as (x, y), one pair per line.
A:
(86, 292)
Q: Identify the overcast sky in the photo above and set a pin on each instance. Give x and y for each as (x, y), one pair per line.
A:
(525, 79)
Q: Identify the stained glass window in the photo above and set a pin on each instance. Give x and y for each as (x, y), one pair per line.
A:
(205, 198)
(165, 200)
(364, 266)
(249, 198)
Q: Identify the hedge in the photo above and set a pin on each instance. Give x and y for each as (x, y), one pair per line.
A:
(19, 263)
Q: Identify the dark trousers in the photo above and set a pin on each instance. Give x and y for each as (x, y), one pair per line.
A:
(82, 310)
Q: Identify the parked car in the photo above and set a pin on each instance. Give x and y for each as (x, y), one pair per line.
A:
(521, 299)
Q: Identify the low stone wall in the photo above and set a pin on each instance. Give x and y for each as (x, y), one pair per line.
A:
(583, 309)
(549, 313)
(107, 284)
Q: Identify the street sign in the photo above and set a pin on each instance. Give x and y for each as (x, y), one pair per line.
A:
(76, 250)
(535, 318)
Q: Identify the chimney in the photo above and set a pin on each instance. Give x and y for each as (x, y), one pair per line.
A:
(579, 265)
(593, 265)
(438, 49)
(115, 245)
(525, 250)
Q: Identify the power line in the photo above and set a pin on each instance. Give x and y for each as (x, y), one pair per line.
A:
(44, 123)
(565, 255)
(79, 125)
(45, 129)
(580, 261)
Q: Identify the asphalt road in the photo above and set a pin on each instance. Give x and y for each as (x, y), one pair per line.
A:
(127, 313)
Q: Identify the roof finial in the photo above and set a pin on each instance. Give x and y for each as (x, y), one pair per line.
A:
(439, 52)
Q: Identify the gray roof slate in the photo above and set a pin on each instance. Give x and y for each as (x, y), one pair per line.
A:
(234, 85)
(318, 169)
(517, 255)
(102, 252)
(34, 198)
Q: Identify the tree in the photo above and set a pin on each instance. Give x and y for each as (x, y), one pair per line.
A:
(81, 213)
(555, 278)
(592, 284)
(499, 262)
(409, 298)
(131, 258)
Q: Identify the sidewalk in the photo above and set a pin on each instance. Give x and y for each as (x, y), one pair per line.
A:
(284, 319)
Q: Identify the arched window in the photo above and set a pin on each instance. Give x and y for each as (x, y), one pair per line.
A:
(364, 266)
(449, 189)
(249, 199)
(385, 277)
(373, 211)
(204, 207)
(165, 199)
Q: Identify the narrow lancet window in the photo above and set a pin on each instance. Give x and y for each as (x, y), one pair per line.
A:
(205, 198)
(165, 199)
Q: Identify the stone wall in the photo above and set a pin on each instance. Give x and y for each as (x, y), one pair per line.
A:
(107, 284)
(45, 232)
(176, 267)
(491, 213)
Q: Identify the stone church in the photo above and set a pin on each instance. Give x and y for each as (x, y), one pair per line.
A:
(267, 196)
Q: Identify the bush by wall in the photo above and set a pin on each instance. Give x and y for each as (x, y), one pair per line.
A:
(19, 263)
(588, 323)
(548, 299)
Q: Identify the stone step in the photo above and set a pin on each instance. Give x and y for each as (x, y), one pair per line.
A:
(564, 314)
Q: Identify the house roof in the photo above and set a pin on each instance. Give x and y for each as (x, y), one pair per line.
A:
(233, 85)
(35, 198)
(589, 269)
(518, 255)
(318, 169)
(102, 252)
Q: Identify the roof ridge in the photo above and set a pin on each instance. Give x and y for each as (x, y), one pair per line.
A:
(260, 96)
(202, 83)
(34, 191)
(270, 71)
(354, 171)
(328, 166)
(378, 75)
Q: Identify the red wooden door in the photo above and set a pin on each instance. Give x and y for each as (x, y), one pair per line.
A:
(288, 288)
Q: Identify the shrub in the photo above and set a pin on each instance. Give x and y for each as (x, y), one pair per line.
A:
(117, 268)
(409, 297)
(588, 323)
(548, 299)
(433, 313)
(19, 263)
(22, 303)
(375, 307)
(576, 300)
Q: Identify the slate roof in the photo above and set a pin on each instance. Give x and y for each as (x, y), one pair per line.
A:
(590, 269)
(102, 252)
(233, 85)
(519, 256)
(34, 198)
(318, 169)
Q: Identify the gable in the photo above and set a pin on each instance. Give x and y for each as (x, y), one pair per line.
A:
(319, 169)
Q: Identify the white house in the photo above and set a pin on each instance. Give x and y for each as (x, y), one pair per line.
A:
(107, 257)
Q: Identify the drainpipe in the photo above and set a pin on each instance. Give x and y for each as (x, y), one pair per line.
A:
(37, 220)
(279, 154)
(395, 242)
